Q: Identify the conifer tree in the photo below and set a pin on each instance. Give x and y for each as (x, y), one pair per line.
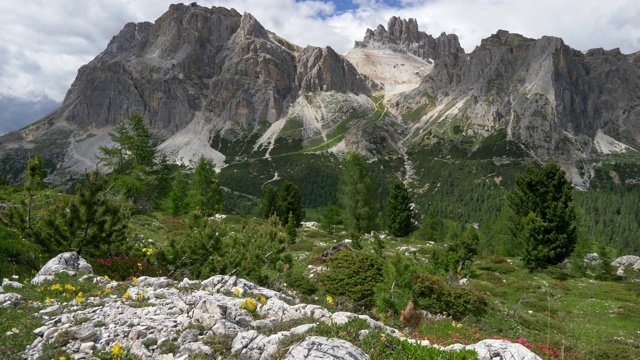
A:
(544, 221)
(331, 216)
(399, 217)
(139, 173)
(204, 190)
(289, 204)
(269, 201)
(357, 196)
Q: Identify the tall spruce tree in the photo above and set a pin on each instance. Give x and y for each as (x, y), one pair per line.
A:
(357, 196)
(544, 221)
(268, 206)
(289, 204)
(204, 190)
(399, 217)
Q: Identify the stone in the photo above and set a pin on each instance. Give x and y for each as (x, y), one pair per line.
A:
(194, 348)
(321, 348)
(6, 283)
(626, 260)
(11, 300)
(502, 349)
(69, 262)
(87, 347)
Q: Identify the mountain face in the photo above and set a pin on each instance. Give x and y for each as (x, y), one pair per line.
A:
(210, 69)
(214, 82)
(555, 102)
(403, 35)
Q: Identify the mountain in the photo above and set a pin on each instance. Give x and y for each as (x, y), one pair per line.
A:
(193, 73)
(214, 82)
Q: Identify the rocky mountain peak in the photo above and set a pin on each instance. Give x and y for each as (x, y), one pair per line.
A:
(403, 35)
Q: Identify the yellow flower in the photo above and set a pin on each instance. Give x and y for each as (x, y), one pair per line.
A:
(137, 297)
(330, 300)
(402, 335)
(263, 300)
(48, 301)
(62, 358)
(139, 266)
(106, 277)
(79, 298)
(249, 304)
(135, 280)
(237, 291)
(56, 287)
(70, 287)
(459, 326)
(107, 290)
(116, 350)
(142, 293)
(126, 295)
(147, 251)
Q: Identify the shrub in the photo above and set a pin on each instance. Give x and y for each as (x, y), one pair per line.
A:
(353, 275)
(125, 267)
(434, 295)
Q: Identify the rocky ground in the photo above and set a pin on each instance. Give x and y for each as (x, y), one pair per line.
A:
(159, 318)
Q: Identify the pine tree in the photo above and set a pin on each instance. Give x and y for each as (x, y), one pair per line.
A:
(289, 204)
(290, 229)
(90, 222)
(178, 195)
(429, 228)
(269, 201)
(139, 173)
(544, 221)
(204, 190)
(331, 216)
(399, 217)
(357, 196)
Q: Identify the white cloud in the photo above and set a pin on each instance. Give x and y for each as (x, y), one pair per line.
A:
(43, 43)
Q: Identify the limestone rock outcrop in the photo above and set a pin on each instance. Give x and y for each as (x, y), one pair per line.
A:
(182, 315)
(404, 35)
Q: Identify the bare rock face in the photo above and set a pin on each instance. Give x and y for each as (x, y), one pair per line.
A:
(555, 101)
(404, 35)
(211, 65)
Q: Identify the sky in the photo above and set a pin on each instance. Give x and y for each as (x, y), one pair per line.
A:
(44, 42)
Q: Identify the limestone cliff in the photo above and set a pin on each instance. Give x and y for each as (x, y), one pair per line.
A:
(403, 35)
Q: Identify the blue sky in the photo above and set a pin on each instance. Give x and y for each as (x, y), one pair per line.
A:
(43, 42)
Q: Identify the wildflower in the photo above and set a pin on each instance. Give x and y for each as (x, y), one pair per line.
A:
(137, 297)
(107, 291)
(56, 287)
(459, 325)
(330, 300)
(62, 358)
(147, 251)
(237, 291)
(79, 298)
(402, 335)
(116, 350)
(48, 301)
(106, 277)
(142, 293)
(70, 287)
(249, 304)
(126, 295)
(263, 300)
(135, 280)
(139, 266)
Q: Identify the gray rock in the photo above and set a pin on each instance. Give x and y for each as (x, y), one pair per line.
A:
(69, 262)
(321, 348)
(502, 349)
(194, 348)
(11, 300)
(626, 260)
(6, 283)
